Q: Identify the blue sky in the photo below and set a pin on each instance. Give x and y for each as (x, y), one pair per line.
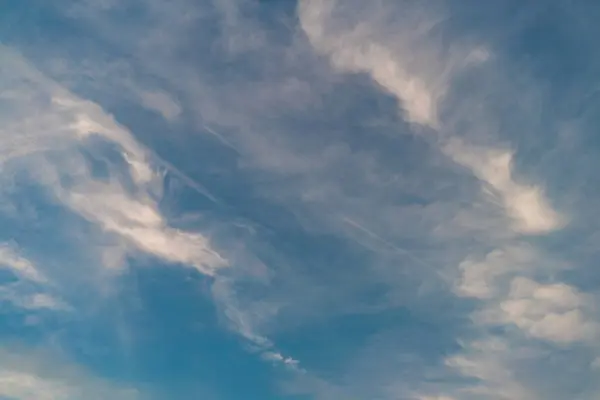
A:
(311, 199)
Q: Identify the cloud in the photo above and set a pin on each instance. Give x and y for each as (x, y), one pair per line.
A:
(489, 362)
(103, 189)
(278, 358)
(161, 103)
(20, 266)
(421, 92)
(325, 151)
(122, 204)
(435, 398)
(248, 320)
(139, 222)
(479, 278)
(396, 69)
(29, 375)
(31, 290)
(554, 312)
(21, 297)
(525, 204)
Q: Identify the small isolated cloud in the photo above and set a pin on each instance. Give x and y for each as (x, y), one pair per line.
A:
(278, 358)
(161, 103)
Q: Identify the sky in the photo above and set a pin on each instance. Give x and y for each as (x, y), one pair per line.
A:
(299, 200)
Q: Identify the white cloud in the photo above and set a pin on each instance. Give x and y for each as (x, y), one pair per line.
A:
(420, 92)
(398, 55)
(42, 300)
(554, 312)
(479, 278)
(19, 265)
(139, 222)
(278, 358)
(23, 298)
(527, 311)
(357, 50)
(161, 103)
(62, 125)
(489, 361)
(29, 292)
(34, 376)
(525, 204)
(19, 385)
(247, 319)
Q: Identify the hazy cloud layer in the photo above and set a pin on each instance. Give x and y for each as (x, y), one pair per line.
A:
(383, 199)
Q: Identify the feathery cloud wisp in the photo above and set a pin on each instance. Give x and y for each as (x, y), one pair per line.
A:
(52, 155)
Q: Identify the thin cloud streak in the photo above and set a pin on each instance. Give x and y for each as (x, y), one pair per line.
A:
(379, 239)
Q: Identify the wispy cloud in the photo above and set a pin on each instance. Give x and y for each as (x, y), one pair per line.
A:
(477, 209)
(31, 290)
(359, 49)
(555, 312)
(124, 203)
(526, 205)
(27, 375)
(27, 300)
(457, 227)
(22, 267)
(106, 187)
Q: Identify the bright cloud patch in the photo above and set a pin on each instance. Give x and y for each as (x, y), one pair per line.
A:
(554, 312)
(63, 126)
(526, 205)
(33, 377)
